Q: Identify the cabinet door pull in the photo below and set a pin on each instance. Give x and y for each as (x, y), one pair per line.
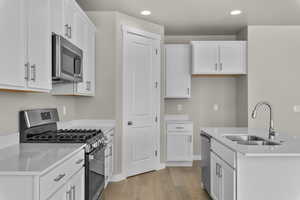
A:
(217, 169)
(66, 30)
(73, 188)
(68, 195)
(220, 171)
(59, 177)
(188, 91)
(179, 127)
(26, 71)
(216, 67)
(221, 66)
(70, 31)
(33, 72)
(79, 161)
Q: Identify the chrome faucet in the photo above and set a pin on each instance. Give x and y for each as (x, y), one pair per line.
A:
(272, 132)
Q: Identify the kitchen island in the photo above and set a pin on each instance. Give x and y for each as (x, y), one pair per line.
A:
(41, 171)
(246, 165)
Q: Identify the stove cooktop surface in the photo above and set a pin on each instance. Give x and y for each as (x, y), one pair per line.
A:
(66, 136)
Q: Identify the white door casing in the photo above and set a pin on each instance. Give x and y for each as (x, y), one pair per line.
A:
(141, 101)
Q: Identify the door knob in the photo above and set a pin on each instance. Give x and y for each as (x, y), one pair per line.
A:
(130, 123)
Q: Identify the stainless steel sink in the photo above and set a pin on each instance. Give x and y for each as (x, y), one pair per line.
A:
(250, 140)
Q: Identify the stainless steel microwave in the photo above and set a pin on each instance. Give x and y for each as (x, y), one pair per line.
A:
(66, 61)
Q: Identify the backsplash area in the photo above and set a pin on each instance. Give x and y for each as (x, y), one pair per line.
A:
(12, 103)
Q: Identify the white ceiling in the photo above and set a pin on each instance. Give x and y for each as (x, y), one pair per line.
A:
(194, 17)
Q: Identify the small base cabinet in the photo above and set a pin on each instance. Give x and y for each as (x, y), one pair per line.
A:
(179, 143)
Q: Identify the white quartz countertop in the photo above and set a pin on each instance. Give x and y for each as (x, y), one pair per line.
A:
(290, 145)
(34, 159)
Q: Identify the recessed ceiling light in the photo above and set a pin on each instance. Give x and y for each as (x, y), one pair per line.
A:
(235, 12)
(146, 12)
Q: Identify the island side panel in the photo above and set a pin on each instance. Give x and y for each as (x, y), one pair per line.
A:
(262, 178)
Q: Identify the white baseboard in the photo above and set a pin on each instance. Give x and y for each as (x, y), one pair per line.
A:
(117, 178)
(161, 166)
(179, 164)
(196, 157)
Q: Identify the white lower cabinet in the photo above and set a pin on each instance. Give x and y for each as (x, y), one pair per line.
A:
(179, 143)
(66, 181)
(72, 190)
(222, 179)
(222, 172)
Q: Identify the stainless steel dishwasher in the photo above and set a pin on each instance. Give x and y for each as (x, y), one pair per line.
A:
(205, 163)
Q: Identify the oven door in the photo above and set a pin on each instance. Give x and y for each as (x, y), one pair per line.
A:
(95, 174)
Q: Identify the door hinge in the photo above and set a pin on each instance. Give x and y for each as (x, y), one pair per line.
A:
(155, 153)
(156, 119)
(156, 84)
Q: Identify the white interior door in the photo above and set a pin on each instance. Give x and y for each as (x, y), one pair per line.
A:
(141, 97)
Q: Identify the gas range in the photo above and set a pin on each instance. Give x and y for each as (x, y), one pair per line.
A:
(40, 126)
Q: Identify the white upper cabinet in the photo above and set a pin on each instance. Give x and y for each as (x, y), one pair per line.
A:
(82, 33)
(39, 45)
(25, 33)
(219, 57)
(204, 58)
(13, 41)
(87, 86)
(178, 71)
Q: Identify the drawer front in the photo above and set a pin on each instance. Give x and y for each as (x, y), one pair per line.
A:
(51, 181)
(180, 127)
(223, 152)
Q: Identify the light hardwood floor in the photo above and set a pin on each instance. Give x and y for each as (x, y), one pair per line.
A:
(173, 183)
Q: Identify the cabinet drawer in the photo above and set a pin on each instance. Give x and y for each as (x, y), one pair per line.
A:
(180, 127)
(223, 152)
(54, 179)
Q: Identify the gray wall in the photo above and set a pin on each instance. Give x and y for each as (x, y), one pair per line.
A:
(274, 74)
(207, 91)
(12, 102)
